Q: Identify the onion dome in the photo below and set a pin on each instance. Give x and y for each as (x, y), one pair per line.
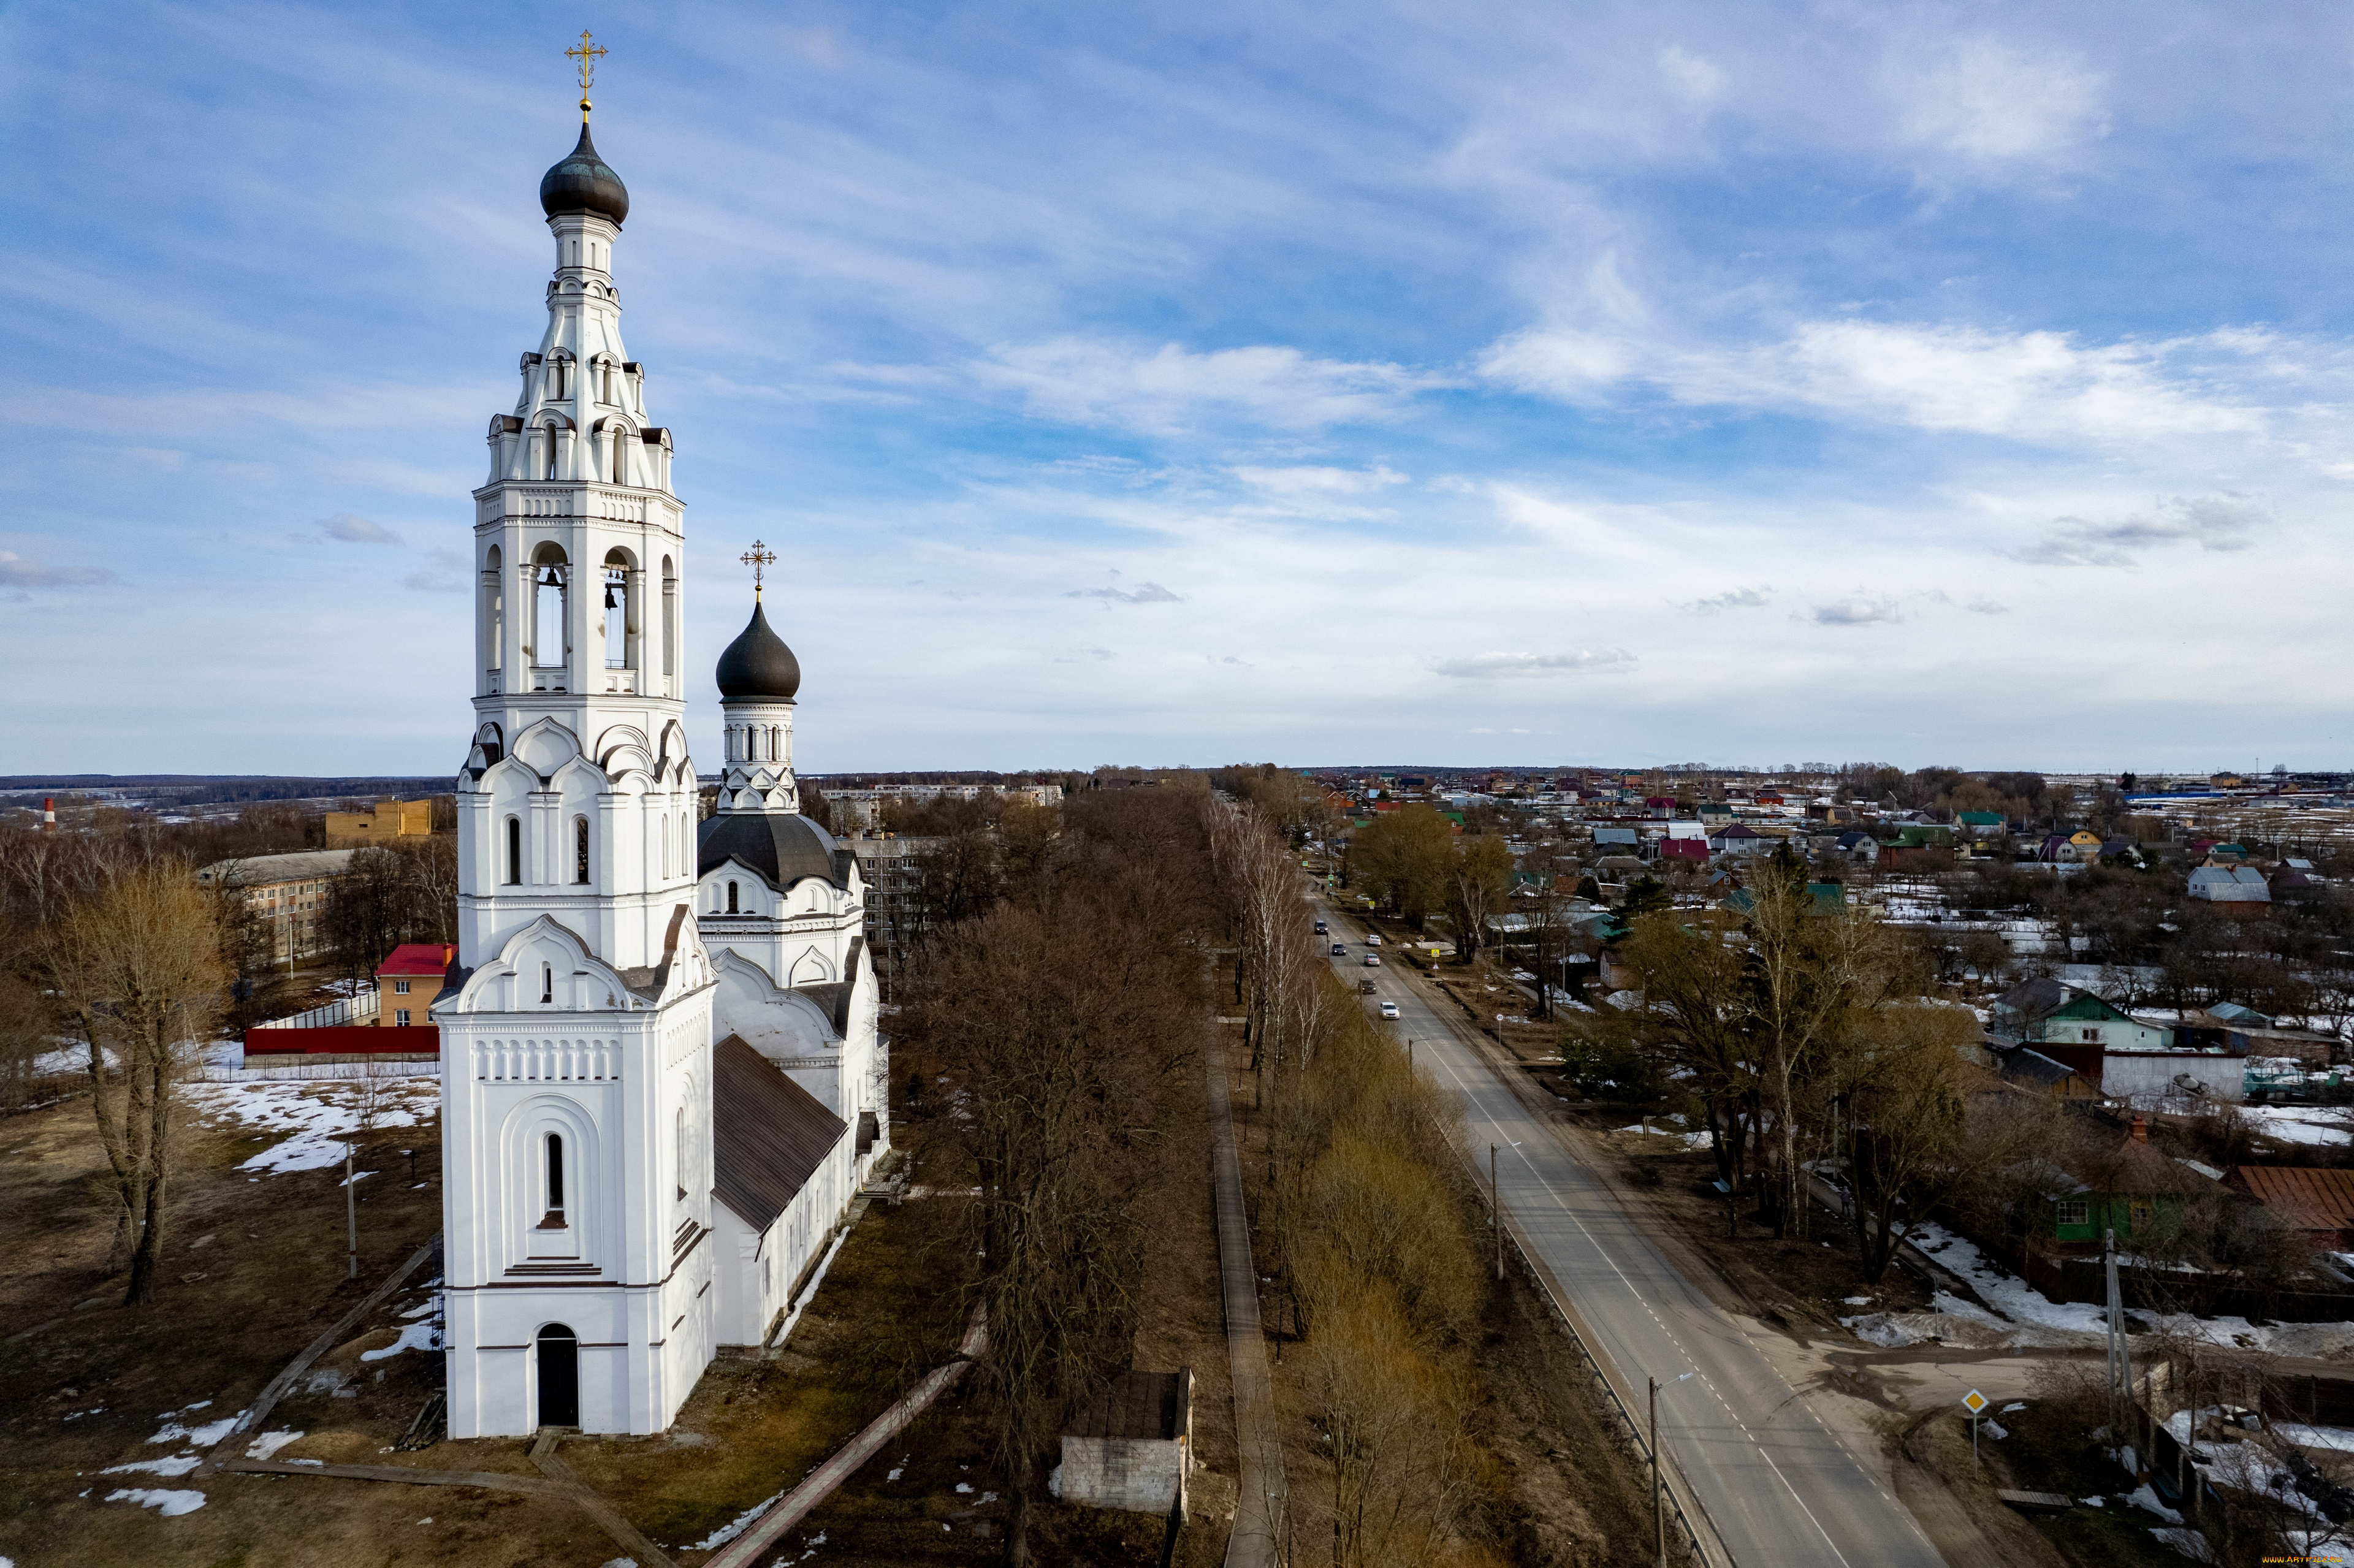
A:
(583, 182)
(758, 666)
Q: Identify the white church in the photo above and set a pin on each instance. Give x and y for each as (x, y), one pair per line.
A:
(661, 1081)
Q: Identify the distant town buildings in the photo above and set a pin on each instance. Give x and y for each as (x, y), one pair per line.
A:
(288, 891)
(384, 822)
(857, 810)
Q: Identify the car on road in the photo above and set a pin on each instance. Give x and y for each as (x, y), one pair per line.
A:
(1366, 985)
(1389, 1010)
(1372, 962)
(1339, 947)
(1322, 929)
(1372, 938)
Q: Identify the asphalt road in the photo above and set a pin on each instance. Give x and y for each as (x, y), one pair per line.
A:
(1775, 1484)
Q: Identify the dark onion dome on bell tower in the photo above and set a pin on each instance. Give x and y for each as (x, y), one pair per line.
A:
(583, 182)
(758, 666)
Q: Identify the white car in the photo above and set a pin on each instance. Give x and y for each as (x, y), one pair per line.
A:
(1371, 962)
(1372, 938)
(1389, 1010)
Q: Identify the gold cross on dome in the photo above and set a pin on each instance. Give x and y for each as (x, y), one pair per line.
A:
(588, 54)
(758, 557)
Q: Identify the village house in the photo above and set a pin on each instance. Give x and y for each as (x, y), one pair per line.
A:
(2316, 1206)
(2239, 892)
(2128, 1187)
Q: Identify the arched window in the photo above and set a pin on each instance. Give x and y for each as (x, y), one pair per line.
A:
(580, 849)
(548, 983)
(550, 630)
(514, 851)
(555, 1178)
(621, 622)
(670, 619)
(731, 898)
(661, 831)
(621, 454)
(495, 616)
(678, 1154)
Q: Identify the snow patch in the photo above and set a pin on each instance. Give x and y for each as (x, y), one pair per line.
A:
(171, 1504)
(266, 1446)
(734, 1526)
(173, 1465)
(204, 1436)
(317, 1117)
(413, 1337)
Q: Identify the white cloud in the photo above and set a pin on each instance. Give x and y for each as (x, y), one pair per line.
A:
(1984, 606)
(1143, 593)
(2218, 522)
(1694, 79)
(1317, 481)
(2040, 386)
(1855, 610)
(1488, 666)
(354, 529)
(1735, 598)
(1170, 389)
(1991, 103)
(18, 572)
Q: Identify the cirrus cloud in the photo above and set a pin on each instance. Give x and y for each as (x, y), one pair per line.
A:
(1496, 666)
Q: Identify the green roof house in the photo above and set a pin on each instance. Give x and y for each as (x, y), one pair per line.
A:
(2130, 1188)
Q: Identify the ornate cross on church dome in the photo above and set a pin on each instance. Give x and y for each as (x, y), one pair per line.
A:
(758, 557)
(587, 54)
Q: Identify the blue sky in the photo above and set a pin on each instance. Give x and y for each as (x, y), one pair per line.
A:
(1644, 383)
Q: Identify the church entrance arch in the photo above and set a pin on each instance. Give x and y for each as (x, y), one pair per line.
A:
(559, 1376)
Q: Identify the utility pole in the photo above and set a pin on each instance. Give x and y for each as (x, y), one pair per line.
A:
(1659, 1488)
(2120, 1365)
(1496, 1212)
(352, 1211)
(1659, 1505)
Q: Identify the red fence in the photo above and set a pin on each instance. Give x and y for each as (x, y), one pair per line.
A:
(350, 1040)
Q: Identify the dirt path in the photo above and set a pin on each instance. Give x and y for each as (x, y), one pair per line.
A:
(1258, 1511)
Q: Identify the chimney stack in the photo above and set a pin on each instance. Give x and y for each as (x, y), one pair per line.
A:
(2141, 1130)
(49, 814)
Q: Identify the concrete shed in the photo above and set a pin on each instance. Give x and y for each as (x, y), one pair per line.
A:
(1128, 1448)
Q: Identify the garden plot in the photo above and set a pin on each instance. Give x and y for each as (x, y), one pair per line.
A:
(2024, 1318)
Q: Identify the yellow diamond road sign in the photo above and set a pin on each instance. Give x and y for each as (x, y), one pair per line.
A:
(1974, 1402)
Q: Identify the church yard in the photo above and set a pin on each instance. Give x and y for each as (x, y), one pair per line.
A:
(258, 1272)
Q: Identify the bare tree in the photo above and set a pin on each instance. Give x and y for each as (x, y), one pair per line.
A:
(136, 971)
(1063, 1036)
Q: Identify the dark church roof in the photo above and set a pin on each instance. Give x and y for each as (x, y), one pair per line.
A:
(758, 665)
(768, 1133)
(835, 996)
(583, 182)
(781, 847)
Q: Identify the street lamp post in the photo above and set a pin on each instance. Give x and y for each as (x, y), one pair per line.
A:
(1659, 1497)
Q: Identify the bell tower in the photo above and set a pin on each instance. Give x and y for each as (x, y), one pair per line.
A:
(577, 1062)
(578, 542)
